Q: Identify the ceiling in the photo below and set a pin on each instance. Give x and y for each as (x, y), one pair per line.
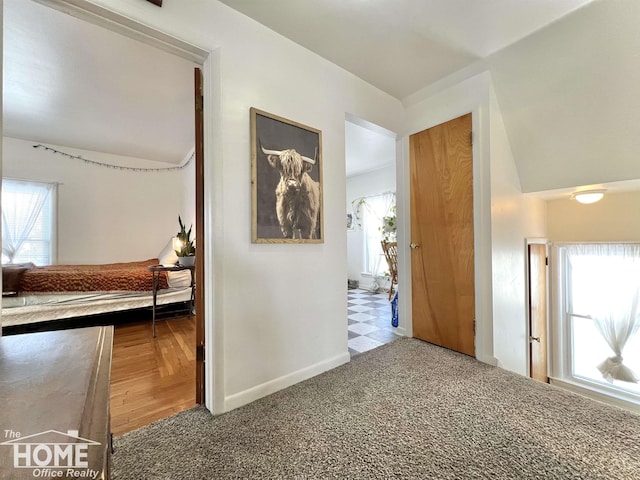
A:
(69, 82)
(401, 46)
(566, 84)
(417, 43)
(367, 149)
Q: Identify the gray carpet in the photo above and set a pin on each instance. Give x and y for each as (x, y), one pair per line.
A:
(405, 410)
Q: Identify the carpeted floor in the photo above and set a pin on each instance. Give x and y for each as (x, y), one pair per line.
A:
(405, 410)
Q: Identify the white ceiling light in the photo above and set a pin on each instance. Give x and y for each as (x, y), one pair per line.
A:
(588, 196)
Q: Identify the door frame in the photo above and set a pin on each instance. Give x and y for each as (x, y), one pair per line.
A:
(479, 109)
(527, 242)
(209, 62)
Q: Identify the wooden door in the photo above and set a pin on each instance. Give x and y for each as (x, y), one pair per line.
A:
(442, 253)
(200, 253)
(538, 312)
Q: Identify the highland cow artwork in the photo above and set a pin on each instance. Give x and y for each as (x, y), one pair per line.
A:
(286, 177)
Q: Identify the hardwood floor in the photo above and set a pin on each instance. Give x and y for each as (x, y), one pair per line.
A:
(152, 378)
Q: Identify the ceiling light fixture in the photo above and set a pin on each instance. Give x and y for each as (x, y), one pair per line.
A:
(588, 196)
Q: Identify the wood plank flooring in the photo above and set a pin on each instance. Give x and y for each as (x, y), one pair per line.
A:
(152, 378)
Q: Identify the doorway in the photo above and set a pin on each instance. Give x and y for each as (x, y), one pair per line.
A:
(370, 153)
(537, 279)
(442, 235)
(180, 333)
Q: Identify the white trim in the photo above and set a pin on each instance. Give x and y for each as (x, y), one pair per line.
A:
(480, 110)
(594, 394)
(55, 230)
(483, 256)
(213, 192)
(556, 293)
(116, 22)
(537, 241)
(53, 245)
(527, 289)
(403, 215)
(247, 396)
(488, 359)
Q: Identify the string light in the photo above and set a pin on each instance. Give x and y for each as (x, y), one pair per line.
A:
(116, 167)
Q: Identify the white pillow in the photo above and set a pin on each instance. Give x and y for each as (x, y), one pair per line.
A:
(179, 279)
(168, 255)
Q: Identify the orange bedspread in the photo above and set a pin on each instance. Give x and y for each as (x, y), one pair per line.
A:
(130, 276)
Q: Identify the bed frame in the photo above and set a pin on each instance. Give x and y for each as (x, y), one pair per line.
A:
(68, 296)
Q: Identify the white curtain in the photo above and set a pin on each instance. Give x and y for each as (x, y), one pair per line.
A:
(22, 204)
(605, 285)
(373, 210)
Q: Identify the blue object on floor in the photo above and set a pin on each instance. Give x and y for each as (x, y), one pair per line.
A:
(394, 309)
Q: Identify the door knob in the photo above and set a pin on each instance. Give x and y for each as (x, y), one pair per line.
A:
(414, 245)
(534, 339)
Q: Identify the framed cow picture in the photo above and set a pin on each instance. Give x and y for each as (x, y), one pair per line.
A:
(286, 181)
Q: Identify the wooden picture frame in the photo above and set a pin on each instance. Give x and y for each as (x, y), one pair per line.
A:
(286, 181)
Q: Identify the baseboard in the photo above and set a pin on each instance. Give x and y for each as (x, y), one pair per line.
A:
(366, 286)
(593, 394)
(491, 360)
(401, 331)
(247, 396)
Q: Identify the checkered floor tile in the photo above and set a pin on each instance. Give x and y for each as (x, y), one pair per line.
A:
(369, 320)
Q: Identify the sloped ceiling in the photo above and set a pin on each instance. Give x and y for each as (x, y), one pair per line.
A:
(367, 150)
(401, 46)
(69, 82)
(566, 74)
(570, 98)
(567, 88)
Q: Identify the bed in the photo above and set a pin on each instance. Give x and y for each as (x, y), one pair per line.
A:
(34, 294)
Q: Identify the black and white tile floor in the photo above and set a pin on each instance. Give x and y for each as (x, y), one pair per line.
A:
(369, 317)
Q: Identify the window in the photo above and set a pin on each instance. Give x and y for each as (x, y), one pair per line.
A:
(600, 316)
(372, 210)
(28, 220)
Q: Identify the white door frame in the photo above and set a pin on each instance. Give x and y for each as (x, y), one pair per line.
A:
(536, 241)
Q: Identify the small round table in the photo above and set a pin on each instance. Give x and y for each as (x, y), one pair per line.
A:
(156, 270)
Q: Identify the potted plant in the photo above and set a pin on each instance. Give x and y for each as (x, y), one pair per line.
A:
(184, 246)
(389, 226)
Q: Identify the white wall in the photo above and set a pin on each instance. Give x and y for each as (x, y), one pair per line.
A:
(503, 218)
(569, 96)
(275, 313)
(514, 217)
(358, 186)
(188, 199)
(104, 215)
(609, 220)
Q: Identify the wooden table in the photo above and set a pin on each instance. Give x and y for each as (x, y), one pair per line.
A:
(156, 271)
(54, 404)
